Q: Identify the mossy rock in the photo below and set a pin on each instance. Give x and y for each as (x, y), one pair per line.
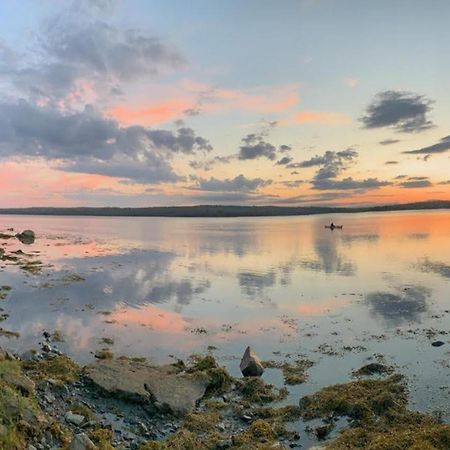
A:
(182, 440)
(400, 431)
(59, 368)
(218, 379)
(202, 363)
(260, 435)
(358, 399)
(256, 391)
(201, 422)
(287, 413)
(102, 438)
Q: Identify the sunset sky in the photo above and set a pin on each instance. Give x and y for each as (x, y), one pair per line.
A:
(174, 102)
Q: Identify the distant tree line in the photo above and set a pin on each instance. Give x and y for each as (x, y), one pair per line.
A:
(220, 210)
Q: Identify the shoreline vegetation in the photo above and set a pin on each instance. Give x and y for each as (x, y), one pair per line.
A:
(47, 401)
(221, 210)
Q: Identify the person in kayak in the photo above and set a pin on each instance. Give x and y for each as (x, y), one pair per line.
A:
(332, 225)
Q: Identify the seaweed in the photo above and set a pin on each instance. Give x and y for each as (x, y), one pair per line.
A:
(357, 399)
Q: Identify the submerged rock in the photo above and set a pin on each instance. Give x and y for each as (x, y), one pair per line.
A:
(159, 386)
(373, 369)
(251, 365)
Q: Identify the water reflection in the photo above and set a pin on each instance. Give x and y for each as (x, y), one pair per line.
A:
(418, 236)
(408, 305)
(349, 238)
(182, 291)
(155, 281)
(329, 259)
(436, 267)
(253, 284)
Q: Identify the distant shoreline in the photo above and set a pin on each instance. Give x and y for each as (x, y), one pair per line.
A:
(219, 211)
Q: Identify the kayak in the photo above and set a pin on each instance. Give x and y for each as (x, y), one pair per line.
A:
(332, 227)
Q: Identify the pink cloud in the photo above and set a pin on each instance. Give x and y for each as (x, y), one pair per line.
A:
(171, 102)
(83, 93)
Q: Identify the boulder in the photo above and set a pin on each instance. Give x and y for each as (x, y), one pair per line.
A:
(26, 237)
(251, 365)
(82, 442)
(160, 387)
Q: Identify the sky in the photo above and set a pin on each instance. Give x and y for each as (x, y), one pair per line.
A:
(249, 102)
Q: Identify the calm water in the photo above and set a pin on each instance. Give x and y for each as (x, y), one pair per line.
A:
(164, 286)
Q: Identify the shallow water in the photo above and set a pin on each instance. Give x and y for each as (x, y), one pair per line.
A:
(170, 287)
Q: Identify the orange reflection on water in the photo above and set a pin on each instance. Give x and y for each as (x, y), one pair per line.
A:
(321, 308)
(150, 316)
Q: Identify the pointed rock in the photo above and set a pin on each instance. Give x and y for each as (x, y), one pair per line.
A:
(251, 365)
(26, 237)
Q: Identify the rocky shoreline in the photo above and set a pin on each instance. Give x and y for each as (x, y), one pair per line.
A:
(48, 402)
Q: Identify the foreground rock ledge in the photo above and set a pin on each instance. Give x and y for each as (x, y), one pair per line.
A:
(138, 381)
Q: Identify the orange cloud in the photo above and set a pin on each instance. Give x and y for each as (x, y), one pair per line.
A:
(323, 117)
(35, 183)
(395, 194)
(162, 111)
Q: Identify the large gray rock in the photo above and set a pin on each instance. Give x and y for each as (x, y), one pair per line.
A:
(82, 442)
(251, 365)
(138, 381)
